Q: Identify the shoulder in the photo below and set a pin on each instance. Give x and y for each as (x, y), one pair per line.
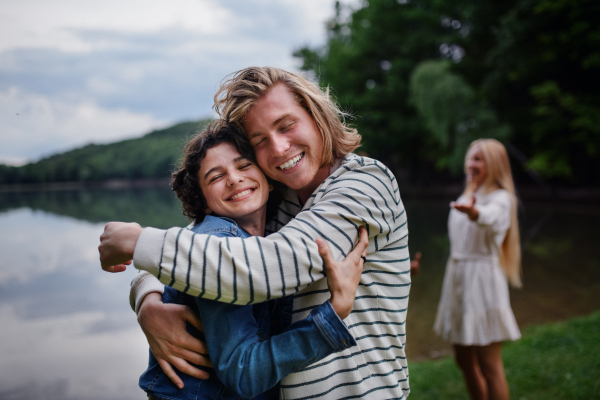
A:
(355, 166)
(499, 195)
(219, 226)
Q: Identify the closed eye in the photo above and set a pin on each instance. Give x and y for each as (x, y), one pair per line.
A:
(258, 142)
(214, 178)
(287, 126)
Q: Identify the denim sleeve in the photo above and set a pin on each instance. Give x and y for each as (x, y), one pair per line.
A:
(250, 367)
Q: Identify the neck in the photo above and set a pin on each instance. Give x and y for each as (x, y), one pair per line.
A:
(485, 188)
(305, 192)
(254, 223)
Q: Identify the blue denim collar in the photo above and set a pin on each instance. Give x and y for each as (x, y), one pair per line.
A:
(213, 224)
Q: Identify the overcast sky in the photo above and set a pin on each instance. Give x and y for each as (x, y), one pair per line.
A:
(74, 72)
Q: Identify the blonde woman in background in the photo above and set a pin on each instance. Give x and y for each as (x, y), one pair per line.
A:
(474, 313)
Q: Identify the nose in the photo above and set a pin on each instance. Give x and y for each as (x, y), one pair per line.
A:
(233, 178)
(279, 145)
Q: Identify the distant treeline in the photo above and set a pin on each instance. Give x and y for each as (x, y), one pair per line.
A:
(151, 156)
(424, 78)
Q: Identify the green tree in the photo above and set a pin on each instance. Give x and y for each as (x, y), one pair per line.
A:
(368, 60)
(451, 112)
(522, 71)
(544, 82)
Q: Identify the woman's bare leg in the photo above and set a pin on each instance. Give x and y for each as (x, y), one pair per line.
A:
(492, 367)
(468, 361)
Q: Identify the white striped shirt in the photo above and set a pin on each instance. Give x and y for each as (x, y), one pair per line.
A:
(243, 271)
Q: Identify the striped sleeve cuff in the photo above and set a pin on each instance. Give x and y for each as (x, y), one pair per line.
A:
(332, 328)
(142, 284)
(148, 249)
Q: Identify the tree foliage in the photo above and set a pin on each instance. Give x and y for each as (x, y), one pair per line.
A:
(151, 156)
(451, 113)
(425, 77)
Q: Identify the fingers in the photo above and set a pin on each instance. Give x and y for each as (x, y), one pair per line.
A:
(363, 242)
(196, 358)
(188, 369)
(168, 370)
(193, 319)
(116, 268)
(117, 244)
(324, 252)
(418, 257)
(188, 342)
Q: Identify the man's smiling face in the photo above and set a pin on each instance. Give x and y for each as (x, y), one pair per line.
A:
(286, 140)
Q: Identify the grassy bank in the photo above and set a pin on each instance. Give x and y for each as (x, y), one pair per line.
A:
(556, 361)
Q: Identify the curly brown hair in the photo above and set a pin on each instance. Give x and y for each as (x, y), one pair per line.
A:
(184, 181)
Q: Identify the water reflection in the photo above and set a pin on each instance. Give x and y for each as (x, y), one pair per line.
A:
(68, 332)
(158, 207)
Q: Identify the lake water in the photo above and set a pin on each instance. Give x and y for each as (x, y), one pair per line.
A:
(67, 331)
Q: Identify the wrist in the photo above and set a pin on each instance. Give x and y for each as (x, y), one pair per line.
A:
(340, 307)
(148, 301)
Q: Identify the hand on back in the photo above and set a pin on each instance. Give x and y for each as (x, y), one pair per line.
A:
(343, 277)
(172, 345)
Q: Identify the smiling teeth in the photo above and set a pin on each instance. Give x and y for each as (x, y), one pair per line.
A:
(240, 194)
(291, 163)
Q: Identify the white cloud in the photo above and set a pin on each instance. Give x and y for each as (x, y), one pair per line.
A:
(54, 24)
(101, 70)
(35, 125)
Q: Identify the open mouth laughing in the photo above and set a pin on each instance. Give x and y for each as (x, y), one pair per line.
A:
(291, 163)
(241, 194)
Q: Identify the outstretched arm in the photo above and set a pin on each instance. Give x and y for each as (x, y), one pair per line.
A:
(495, 214)
(467, 208)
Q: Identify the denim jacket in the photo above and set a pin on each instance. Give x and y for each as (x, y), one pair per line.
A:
(251, 347)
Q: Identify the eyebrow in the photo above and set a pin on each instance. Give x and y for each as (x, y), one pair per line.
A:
(277, 121)
(219, 167)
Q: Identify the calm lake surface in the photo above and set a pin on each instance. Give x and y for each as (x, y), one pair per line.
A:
(67, 331)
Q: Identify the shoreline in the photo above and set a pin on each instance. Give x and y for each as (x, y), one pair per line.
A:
(453, 190)
(112, 184)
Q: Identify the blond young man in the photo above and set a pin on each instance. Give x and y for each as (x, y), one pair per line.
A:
(300, 140)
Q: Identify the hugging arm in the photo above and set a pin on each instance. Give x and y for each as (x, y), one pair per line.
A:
(258, 269)
(250, 366)
(242, 362)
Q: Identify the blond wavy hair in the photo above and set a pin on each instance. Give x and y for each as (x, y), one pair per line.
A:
(499, 174)
(240, 91)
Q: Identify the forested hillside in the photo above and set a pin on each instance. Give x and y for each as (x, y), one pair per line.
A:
(151, 156)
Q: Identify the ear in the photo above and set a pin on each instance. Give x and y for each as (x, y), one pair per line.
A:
(271, 188)
(207, 211)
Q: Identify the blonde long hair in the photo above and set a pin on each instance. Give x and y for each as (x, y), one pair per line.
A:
(240, 91)
(499, 173)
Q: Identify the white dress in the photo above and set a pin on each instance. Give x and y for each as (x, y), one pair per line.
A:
(474, 308)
